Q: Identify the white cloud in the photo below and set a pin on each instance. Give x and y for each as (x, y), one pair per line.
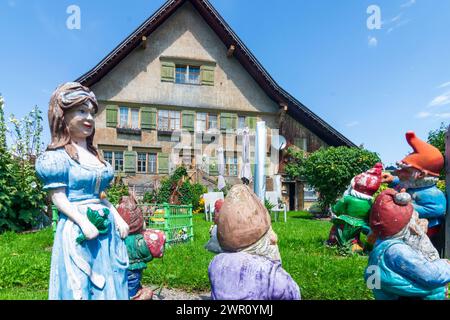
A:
(444, 85)
(353, 124)
(423, 115)
(441, 100)
(373, 42)
(410, 3)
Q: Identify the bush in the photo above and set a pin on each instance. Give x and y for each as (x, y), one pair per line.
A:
(22, 199)
(116, 192)
(330, 170)
(437, 138)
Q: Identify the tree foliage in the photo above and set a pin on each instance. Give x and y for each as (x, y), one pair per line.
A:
(330, 170)
(437, 139)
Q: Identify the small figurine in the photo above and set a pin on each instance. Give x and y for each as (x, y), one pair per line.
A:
(142, 246)
(403, 264)
(418, 174)
(250, 267)
(352, 210)
(213, 244)
(74, 173)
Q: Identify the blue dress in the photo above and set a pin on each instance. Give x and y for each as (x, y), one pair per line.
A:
(95, 269)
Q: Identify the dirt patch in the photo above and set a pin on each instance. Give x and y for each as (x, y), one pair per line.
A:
(176, 294)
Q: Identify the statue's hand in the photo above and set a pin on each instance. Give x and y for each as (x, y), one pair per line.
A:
(122, 227)
(89, 230)
(387, 178)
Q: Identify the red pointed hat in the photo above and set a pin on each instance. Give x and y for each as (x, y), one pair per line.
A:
(369, 181)
(425, 156)
(390, 213)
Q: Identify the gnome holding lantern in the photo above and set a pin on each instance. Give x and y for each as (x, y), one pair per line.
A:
(403, 264)
(352, 210)
(250, 267)
(418, 174)
(142, 246)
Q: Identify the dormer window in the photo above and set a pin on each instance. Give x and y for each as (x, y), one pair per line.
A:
(187, 74)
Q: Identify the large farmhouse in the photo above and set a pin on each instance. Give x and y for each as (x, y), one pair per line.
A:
(185, 69)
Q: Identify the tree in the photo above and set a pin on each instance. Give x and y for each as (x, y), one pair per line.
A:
(437, 139)
(330, 170)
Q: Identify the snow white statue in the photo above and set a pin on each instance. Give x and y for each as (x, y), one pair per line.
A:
(89, 257)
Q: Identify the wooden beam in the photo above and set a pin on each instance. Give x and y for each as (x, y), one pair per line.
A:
(144, 42)
(231, 51)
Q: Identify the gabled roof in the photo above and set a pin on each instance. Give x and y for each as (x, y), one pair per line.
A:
(295, 108)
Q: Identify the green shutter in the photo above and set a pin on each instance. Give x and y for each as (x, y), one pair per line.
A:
(148, 118)
(167, 71)
(188, 120)
(213, 166)
(207, 75)
(228, 121)
(112, 116)
(129, 163)
(163, 163)
(251, 122)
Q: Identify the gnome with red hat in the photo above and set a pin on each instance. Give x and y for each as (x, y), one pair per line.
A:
(351, 212)
(403, 263)
(418, 174)
(142, 246)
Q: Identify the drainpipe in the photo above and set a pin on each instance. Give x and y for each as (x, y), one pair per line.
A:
(260, 160)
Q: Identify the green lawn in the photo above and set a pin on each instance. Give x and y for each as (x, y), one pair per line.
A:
(320, 272)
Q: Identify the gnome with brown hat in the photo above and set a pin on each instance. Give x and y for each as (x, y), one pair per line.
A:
(403, 264)
(418, 174)
(250, 267)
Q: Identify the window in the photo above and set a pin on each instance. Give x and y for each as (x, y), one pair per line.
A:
(187, 74)
(175, 120)
(231, 165)
(142, 163)
(212, 122)
(108, 156)
(169, 120)
(241, 123)
(129, 118)
(152, 164)
(201, 121)
(309, 193)
(118, 161)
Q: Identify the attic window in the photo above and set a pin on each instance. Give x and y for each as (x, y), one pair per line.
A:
(187, 74)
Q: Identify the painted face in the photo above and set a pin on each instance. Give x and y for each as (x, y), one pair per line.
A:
(80, 121)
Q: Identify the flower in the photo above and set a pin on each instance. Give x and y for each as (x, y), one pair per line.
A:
(33, 185)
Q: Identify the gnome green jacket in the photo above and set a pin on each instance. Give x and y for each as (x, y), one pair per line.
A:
(354, 207)
(138, 252)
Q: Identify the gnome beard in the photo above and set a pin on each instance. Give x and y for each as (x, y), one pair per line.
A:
(414, 235)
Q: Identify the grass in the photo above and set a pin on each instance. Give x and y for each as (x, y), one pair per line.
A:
(320, 271)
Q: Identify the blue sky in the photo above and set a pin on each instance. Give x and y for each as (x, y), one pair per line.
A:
(371, 85)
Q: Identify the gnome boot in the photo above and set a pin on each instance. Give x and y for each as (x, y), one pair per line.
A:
(144, 294)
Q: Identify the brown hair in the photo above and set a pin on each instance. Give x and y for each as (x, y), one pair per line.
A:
(66, 97)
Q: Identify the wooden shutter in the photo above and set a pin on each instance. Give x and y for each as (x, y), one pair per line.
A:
(251, 122)
(129, 163)
(267, 167)
(112, 113)
(228, 121)
(148, 118)
(163, 163)
(207, 75)
(213, 166)
(188, 120)
(167, 71)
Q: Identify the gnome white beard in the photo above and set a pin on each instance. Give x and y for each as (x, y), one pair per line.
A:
(415, 236)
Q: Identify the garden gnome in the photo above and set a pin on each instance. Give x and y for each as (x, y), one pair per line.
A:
(250, 267)
(403, 264)
(89, 228)
(352, 210)
(142, 246)
(418, 174)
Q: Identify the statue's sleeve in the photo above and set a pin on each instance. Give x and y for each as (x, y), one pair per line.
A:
(412, 265)
(52, 169)
(285, 288)
(430, 203)
(340, 207)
